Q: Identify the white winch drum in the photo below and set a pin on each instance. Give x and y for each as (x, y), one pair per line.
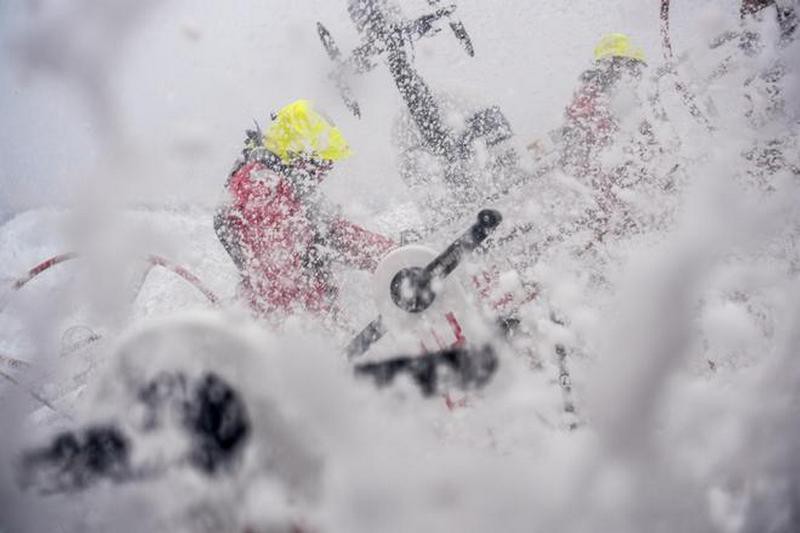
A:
(438, 327)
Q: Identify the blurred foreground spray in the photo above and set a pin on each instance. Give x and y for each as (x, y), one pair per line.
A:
(83, 43)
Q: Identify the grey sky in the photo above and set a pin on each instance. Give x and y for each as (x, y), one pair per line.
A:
(195, 73)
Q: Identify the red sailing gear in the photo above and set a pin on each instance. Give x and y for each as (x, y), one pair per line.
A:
(284, 254)
(590, 126)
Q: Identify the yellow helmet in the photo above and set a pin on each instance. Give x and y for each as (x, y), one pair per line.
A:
(617, 45)
(298, 129)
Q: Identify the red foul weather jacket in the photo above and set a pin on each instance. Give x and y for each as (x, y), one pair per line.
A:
(283, 248)
(589, 126)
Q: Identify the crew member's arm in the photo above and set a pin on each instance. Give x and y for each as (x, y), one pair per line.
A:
(358, 247)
